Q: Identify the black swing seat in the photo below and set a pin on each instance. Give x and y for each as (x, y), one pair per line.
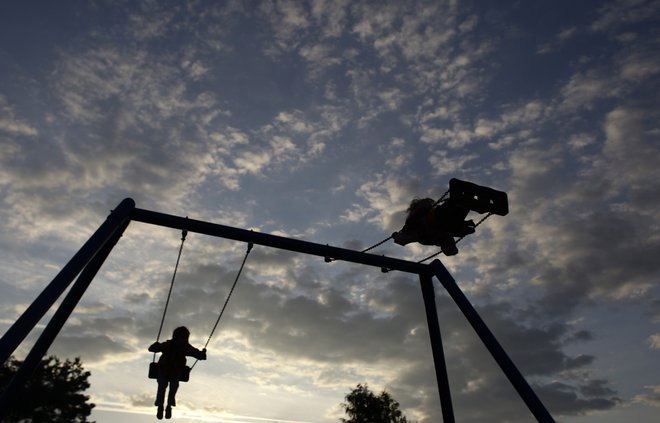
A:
(478, 198)
(153, 372)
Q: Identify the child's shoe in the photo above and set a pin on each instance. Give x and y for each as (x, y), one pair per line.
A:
(159, 413)
(168, 412)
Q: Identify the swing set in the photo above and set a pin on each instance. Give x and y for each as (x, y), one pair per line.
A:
(85, 264)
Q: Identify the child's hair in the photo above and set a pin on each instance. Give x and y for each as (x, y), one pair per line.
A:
(418, 208)
(420, 204)
(181, 333)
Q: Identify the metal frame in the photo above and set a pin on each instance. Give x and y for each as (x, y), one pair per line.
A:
(88, 260)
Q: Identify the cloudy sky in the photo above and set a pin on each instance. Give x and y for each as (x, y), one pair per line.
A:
(321, 120)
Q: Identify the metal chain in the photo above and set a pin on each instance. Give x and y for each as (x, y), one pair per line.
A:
(441, 199)
(184, 232)
(329, 259)
(238, 275)
(376, 245)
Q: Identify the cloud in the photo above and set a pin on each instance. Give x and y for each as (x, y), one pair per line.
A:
(128, 106)
(622, 12)
(125, 136)
(12, 125)
(654, 341)
(637, 66)
(626, 71)
(580, 141)
(450, 165)
(296, 122)
(651, 399)
(585, 88)
(392, 36)
(387, 197)
(320, 56)
(570, 223)
(288, 20)
(92, 349)
(401, 154)
(629, 140)
(252, 161)
(331, 16)
(562, 37)
(151, 21)
(579, 400)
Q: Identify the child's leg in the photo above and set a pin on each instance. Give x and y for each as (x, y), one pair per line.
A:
(160, 393)
(174, 386)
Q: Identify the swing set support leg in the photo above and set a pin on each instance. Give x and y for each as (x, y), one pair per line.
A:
(501, 357)
(40, 306)
(428, 293)
(56, 323)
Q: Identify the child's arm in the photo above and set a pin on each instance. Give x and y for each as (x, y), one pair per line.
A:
(194, 352)
(156, 347)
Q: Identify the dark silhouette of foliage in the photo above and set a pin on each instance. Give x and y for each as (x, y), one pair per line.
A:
(363, 406)
(53, 394)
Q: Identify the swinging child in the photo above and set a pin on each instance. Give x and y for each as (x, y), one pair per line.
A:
(171, 365)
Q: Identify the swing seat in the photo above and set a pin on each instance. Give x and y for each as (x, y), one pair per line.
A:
(153, 372)
(478, 198)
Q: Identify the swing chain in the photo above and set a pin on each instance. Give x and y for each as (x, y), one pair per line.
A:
(184, 233)
(238, 275)
(441, 199)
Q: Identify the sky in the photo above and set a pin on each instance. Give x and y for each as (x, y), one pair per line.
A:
(321, 120)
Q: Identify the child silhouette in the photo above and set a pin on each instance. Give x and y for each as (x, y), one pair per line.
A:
(171, 365)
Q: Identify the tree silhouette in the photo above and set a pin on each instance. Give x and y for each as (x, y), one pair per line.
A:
(363, 406)
(52, 394)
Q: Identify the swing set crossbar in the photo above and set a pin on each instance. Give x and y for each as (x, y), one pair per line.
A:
(274, 241)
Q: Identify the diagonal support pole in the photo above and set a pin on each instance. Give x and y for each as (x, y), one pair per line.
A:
(428, 293)
(28, 320)
(18, 382)
(506, 364)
